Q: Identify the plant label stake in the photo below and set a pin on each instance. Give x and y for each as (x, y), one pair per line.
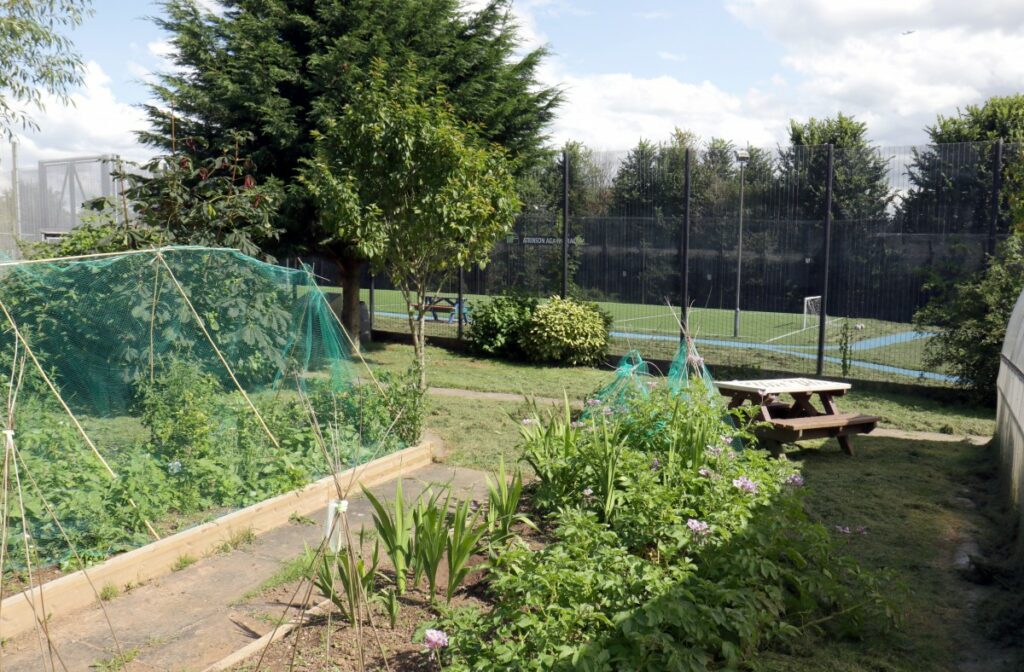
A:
(332, 530)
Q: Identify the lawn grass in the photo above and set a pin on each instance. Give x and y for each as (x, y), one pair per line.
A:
(477, 433)
(445, 368)
(903, 492)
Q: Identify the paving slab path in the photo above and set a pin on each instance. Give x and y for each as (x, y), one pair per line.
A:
(193, 618)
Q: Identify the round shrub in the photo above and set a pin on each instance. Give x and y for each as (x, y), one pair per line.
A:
(564, 331)
(498, 325)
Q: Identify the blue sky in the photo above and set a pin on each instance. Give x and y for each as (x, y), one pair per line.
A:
(733, 68)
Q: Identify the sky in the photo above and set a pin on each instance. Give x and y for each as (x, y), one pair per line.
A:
(739, 69)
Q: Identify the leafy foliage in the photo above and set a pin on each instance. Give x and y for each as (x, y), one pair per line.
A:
(409, 186)
(566, 331)
(972, 319)
(498, 325)
(35, 57)
(704, 557)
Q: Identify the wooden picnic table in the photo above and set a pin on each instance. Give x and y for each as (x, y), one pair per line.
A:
(447, 305)
(799, 419)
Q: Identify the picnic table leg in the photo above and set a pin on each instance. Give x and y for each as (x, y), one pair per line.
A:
(802, 402)
(831, 409)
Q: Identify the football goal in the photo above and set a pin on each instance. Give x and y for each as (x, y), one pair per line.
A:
(812, 311)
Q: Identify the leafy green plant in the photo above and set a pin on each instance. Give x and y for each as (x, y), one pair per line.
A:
(845, 341)
(395, 530)
(430, 519)
(669, 548)
(503, 498)
(565, 331)
(498, 325)
(971, 319)
(392, 606)
(462, 541)
(355, 573)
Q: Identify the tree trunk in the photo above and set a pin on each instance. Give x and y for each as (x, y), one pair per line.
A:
(349, 274)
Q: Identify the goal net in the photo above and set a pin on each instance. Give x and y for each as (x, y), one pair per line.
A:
(812, 311)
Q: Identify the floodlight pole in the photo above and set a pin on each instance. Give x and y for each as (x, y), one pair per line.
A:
(823, 310)
(565, 223)
(742, 158)
(684, 253)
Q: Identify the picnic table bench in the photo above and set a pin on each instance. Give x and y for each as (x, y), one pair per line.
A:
(444, 304)
(799, 420)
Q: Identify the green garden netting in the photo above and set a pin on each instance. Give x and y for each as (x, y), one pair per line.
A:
(149, 391)
(633, 376)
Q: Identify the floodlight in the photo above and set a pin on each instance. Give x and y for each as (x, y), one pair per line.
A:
(742, 155)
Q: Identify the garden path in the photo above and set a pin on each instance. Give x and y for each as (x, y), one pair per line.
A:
(192, 618)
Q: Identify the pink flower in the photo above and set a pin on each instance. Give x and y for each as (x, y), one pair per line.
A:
(699, 528)
(577, 424)
(795, 480)
(745, 484)
(435, 639)
(528, 421)
(705, 472)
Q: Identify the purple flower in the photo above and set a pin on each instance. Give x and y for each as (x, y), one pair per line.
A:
(795, 480)
(705, 472)
(593, 402)
(698, 527)
(695, 360)
(713, 451)
(588, 492)
(841, 529)
(529, 421)
(577, 424)
(655, 464)
(435, 639)
(727, 440)
(862, 530)
(745, 484)
(607, 410)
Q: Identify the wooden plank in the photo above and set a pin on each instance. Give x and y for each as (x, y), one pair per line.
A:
(73, 592)
(783, 386)
(826, 421)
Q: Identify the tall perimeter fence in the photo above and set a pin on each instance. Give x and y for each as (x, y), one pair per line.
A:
(807, 260)
(45, 200)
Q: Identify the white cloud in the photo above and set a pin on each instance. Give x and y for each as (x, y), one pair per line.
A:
(892, 64)
(95, 123)
(671, 56)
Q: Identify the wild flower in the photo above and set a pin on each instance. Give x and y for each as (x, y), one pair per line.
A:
(698, 527)
(593, 402)
(795, 480)
(588, 492)
(745, 484)
(577, 424)
(862, 530)
(713, 451)
(607, 410)
(435, 639)
(705, 472)
(842, 529)
(174, 468)
(695, 360)
(528, 421)
(655, 464)
(726, 439)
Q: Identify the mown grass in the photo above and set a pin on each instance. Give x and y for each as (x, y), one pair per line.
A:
(445, 368)
(904, 493)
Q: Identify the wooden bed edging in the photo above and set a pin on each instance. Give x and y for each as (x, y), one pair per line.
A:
(72, 592)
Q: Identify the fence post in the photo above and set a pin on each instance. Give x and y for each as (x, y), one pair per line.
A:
(460, 302)
(373, 297)
(565, 223)
(997, 186)
(684, 254)
(823, 317)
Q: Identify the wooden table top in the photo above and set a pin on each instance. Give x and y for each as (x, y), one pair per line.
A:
(782, 386)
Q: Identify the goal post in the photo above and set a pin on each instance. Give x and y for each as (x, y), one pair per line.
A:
(812, 310)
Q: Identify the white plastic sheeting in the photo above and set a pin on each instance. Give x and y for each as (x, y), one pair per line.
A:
(1010, 412)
